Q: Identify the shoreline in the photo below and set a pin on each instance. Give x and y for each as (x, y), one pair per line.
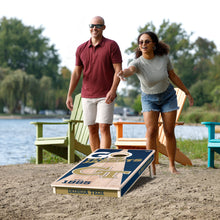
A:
(31, 116)
(130, 118)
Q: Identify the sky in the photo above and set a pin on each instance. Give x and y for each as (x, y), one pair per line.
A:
(65, 22)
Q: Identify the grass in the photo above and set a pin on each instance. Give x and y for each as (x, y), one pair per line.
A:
(194, 149)
(49, 158)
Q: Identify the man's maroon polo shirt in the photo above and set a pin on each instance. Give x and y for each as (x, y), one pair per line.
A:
(97, 62)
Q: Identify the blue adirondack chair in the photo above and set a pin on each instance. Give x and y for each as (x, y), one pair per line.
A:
(72, 147)
(213, 143)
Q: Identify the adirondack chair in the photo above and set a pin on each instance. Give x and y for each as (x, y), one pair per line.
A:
(140, 143)
(213, 143)
(72, 147)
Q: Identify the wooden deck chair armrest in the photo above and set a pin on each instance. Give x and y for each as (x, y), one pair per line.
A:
(127, 123)
(75, 121)
(131, 123)
(48, 123)
(119, 126)
(211, 128)
(39, 126)
(209, 123)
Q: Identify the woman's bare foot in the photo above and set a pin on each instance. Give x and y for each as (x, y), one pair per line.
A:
(173, 170)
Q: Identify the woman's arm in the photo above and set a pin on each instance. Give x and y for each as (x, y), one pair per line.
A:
(178, 82)
(126, 72)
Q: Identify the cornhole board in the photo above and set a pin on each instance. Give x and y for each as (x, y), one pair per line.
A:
(105, 172)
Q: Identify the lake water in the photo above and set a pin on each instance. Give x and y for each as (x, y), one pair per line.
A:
(17, 137)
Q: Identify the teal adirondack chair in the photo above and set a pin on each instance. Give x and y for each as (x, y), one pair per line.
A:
(72, 147)
(213, 143)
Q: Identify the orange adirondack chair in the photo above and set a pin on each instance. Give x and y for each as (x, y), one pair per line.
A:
(140, 143)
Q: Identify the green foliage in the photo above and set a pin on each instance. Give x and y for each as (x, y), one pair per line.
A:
(216, 96)
(137, 104)
(24, 47)
(214, 69)
(14, 89)
(199, 114)
(204, 49)
(120, 101)
(29, 69)
(201, 92)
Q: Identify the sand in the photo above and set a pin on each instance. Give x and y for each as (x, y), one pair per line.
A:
(25, 193)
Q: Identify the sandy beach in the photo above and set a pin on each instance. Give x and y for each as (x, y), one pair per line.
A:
(26, 193)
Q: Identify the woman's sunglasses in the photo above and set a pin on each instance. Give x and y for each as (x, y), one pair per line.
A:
(145, 41)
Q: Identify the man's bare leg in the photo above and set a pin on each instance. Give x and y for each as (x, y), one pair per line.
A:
(105, 136)
(94, 139)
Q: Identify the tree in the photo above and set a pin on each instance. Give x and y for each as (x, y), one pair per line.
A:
(204, 52)
(62, 87)
(137, 104)
(14, 90)
(201, 92)
(214, 69)
(204, 49)
(216, 97)
(24, 47)
(46, 95)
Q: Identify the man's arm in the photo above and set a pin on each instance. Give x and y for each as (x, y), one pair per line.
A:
(111, 95)
(73, 83)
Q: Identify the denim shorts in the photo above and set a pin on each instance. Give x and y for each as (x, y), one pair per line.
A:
(162, 102)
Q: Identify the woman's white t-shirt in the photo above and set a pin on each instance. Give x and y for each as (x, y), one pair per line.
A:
(153, 74)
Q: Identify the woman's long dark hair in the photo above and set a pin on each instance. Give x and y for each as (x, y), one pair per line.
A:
(160, 47)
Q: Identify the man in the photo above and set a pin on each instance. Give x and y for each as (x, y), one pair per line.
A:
(100, 60)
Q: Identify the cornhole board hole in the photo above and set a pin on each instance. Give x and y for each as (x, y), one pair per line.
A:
(105, 172)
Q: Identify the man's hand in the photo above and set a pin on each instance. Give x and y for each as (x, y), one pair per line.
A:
(69, 103)
(110, 97)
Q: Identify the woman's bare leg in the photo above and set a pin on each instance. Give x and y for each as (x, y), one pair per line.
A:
(151, 122)
(169, 119)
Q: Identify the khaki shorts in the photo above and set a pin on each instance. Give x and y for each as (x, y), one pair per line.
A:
(95, 110)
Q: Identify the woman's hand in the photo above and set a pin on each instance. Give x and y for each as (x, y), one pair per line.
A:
(121, 75)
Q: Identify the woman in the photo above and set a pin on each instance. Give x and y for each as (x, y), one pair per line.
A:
(154, 70)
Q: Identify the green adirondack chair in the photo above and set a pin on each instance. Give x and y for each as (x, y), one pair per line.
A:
(72, 147)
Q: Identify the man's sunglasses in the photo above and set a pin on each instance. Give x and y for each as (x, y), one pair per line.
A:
(96, 25)
(145, 41)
